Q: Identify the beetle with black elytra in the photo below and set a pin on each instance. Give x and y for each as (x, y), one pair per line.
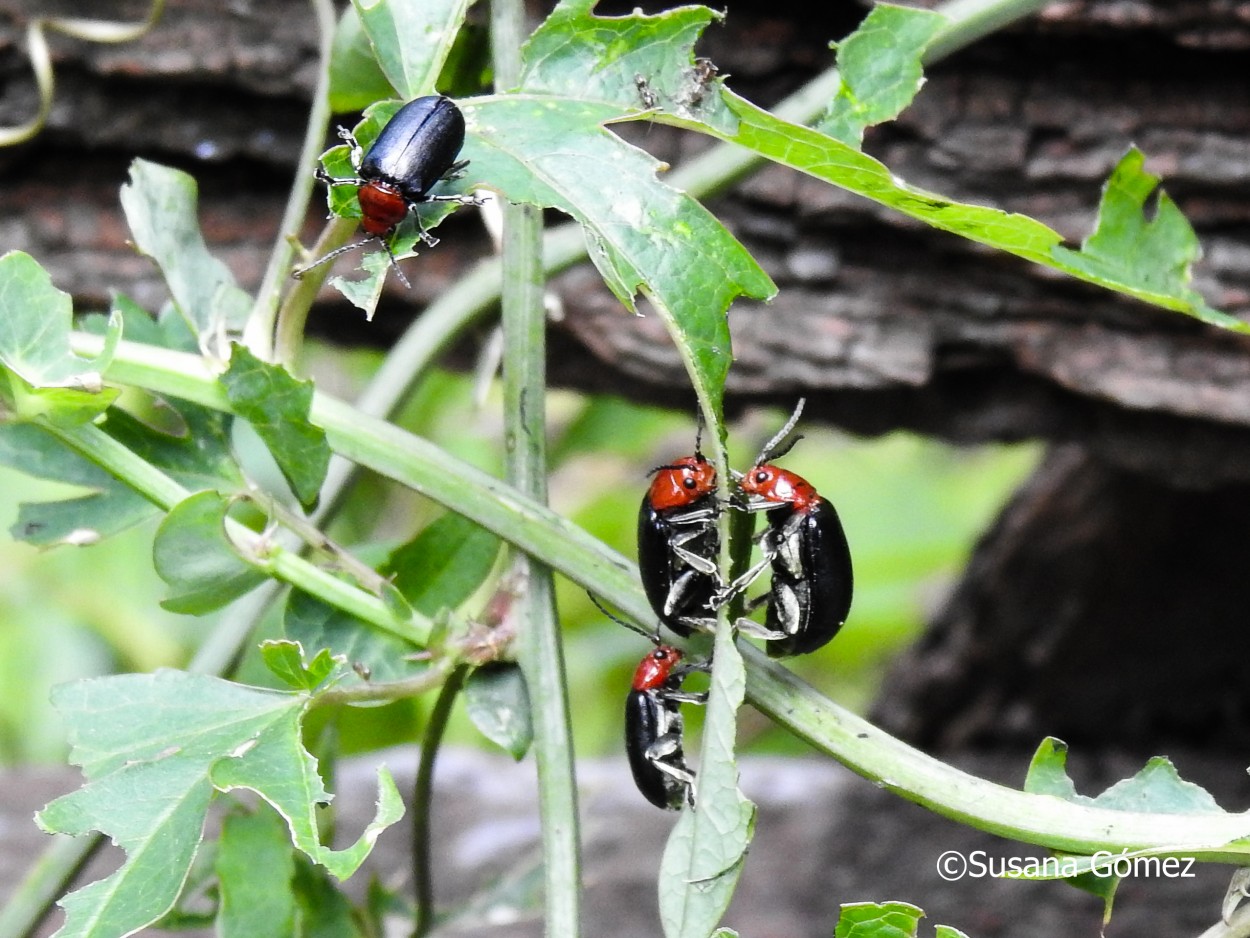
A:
(414, 151)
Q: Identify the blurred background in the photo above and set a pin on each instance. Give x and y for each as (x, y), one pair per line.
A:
(912, 509)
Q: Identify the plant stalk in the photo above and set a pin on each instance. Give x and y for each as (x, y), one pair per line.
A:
(418, 464)
(264, 321)
(540, 651)
(260, 551)
(423, 798)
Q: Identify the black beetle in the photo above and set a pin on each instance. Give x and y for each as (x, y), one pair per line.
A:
(678, 543)
(653, 729)
(804, 544)
(417, 147)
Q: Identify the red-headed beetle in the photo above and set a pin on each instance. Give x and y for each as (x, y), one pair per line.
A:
(417, 147)
(653, 729)
(804, 544)
(678, 543)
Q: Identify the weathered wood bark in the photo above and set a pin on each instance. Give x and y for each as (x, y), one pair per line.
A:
(887, 323)
(1102, 606)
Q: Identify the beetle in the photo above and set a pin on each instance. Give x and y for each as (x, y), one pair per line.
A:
(653, 729)
(678, 542)
(804, 544)
(417, 148)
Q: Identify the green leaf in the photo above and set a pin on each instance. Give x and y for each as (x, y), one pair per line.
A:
(365, 293)
(160, 207)
(112, 507)
(412, 39)
(198, 902)
(285, 775)
(324, 910)
(1048, 773)
(707, 848)
(356, 79)
(832, 160)
(880, 69)
(286, 660)
(276, 404)
(255, 869)
(1153, 254)
(175, 737)
(57, 406)
(443, 565)
(1156, 788)
(577, 55)
(642, 235)
(623, 59)
(885, 920)
(193, 554)
(498, 703)
(197, 452)
(35, 323)
(315, 624)
(580, 71)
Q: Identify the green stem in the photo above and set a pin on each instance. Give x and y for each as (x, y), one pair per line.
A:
(293, 315)
(376, 444)
(423, 799)
(971, 20)
(418, 464)
(259, 334)
(540, 652)
(384, 691)
(264, 553)
(49, 878)
(1035, 819)
(719, 168)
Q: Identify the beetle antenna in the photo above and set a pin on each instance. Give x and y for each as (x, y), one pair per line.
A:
(698, 434)
(395, 264)
(784, 448)
(299, 274)
(651, 472)
(654, 636)
(771, 450)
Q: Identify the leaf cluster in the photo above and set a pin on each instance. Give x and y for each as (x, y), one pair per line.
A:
(146, 411)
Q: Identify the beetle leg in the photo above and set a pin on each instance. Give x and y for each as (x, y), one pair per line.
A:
(685, 696)
(752, 629)
(461, 199)
(698, 623)
(784, 548)
(787, 607)
(661, 751)
(694, 516)
(329, 180)
(736, 586)
(678, 591)
(357, 152)
(690, 667)
(455, 170)
(695, 562)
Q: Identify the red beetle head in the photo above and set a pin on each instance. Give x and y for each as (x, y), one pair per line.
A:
(682, 482)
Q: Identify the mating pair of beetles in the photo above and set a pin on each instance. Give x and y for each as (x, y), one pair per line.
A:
(678, 546)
